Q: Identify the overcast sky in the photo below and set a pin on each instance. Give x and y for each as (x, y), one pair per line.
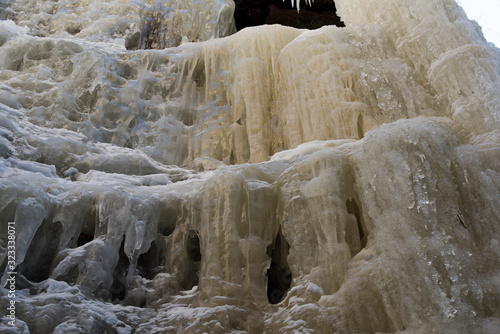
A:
(487, 14)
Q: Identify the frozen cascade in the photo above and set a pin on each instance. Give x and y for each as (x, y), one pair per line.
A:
(168, 175)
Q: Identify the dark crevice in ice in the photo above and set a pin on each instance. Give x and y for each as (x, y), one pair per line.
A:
(37, 264)
(118, 288)
(194, 255)
(461, 220)
(187, 117)
(360, 125)
(88, 230)
(232, 158)
(73, 30)
(151, 263)
(193, 246)
(169, 214)
(353, 209)
(279, 277)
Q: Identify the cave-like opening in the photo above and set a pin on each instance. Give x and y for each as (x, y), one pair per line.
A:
(169, 214)
(193, 250)
(118, 288)
(87, 231)
(353, 209)
(279, 277)
(250, 13)
(152, 262)
(37, 264)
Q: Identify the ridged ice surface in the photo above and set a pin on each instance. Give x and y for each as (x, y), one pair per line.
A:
(167, 175)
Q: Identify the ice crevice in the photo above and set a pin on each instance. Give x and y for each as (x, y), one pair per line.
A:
(166, 173)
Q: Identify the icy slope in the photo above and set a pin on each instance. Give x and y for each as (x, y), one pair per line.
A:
(274, 180)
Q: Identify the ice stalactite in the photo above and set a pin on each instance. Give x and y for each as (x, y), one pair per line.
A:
(166, 174)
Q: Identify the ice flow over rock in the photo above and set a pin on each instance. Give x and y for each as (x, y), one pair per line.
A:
(168, 175)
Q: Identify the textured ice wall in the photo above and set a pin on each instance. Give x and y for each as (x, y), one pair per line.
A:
(276, 180)
(145, 23)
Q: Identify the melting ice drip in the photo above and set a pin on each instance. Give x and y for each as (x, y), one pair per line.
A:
(270, 180)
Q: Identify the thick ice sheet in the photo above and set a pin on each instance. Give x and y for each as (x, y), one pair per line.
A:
(153, 189)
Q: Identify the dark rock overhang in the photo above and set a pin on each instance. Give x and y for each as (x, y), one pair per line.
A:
(250, 13)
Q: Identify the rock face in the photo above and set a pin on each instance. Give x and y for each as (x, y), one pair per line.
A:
(276, 180)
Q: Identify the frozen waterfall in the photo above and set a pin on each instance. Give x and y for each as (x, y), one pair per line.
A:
(161, 172)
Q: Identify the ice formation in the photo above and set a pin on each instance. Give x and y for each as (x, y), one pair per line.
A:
(167, 175)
